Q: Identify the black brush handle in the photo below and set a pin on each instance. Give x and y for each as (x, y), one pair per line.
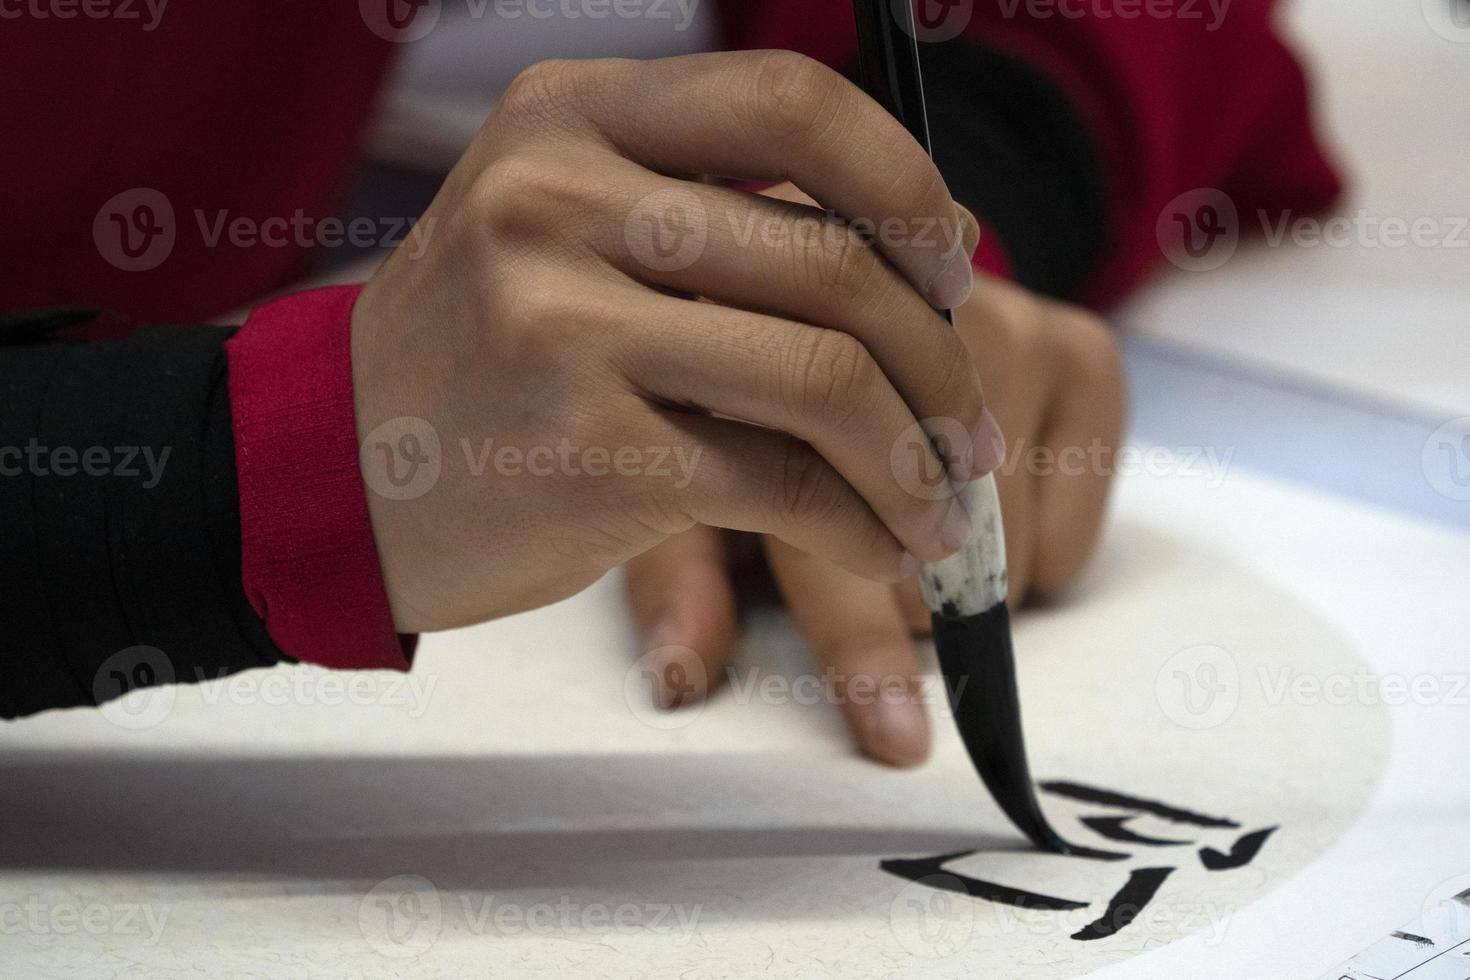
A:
(967, 593)
(889, 71)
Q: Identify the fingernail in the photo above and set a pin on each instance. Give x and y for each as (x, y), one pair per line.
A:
(908, 567)
(990, 445)
(679, 670)
(897, 729)
(956, 529)
(665, 633)
(954, 283)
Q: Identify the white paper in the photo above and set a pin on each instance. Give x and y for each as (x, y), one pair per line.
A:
(413, 825)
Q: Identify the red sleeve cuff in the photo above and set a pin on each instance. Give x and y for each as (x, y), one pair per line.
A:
(990, 256)
(309, 561)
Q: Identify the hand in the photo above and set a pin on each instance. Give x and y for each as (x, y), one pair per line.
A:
(1054, 381)
(545, 365)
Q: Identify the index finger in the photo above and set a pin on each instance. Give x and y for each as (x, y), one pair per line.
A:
(778, 115)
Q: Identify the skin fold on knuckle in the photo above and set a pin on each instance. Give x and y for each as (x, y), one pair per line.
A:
(514, 199)
(539, 96)
(793, 98)
(806, 490)
(838, 379)
(850, 274)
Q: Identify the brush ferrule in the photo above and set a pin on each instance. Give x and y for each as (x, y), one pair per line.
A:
(974, 579)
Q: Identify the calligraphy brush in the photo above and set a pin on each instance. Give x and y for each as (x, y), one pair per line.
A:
(965, 593)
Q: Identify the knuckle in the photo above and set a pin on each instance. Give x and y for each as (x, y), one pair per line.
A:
(927, 195)
(854, 272)
(506, 196)
(807, 489)
(558, 316)
(549, 320)
(837, 377)
(521, 195)
(835, 261)
(793, 93)
(661, 515)
(541, 90)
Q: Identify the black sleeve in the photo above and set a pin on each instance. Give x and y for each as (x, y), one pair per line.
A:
(1015, 152)
(120, 513)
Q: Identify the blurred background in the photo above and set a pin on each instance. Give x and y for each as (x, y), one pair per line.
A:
(1332, 352)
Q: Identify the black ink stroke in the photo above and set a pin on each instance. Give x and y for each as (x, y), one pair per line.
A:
(1093, 854)
(1129, 900)
(1142, 884)
(1112, 828)
(931, 872)
(1243, 853)
(1107, 797)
